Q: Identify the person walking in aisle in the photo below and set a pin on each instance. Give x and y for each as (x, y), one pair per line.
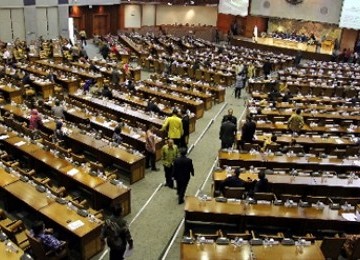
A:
(174, 127)
(182, 169)
(169, 152)
(150, 148)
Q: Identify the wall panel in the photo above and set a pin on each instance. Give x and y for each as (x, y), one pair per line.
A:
(18, 23)
(5, 28)
(327, 11)
(148, 15)
(132, 16)
(53, 22)
(41, 22)
(186, 14)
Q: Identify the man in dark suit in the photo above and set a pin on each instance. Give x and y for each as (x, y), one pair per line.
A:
(152, 107)
(230, 117)
(248, 130)
(182, 168)
(262, 185)
(232, 181)
(186, 128)
(227, 134)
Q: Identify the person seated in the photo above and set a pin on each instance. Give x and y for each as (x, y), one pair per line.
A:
(232, 181)
(130, 86)
(58, 133)
(35, 120)
(58, 110)
(152, 106)
(117, 135)
(106, 92)
(271, 141)
(46, 237)
(262, 185)
(293, 146)
(296, 122)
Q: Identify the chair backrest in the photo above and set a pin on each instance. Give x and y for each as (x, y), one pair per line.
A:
(331, 247)
(293, 197)
(234, 192)
(36, 246)
(268, 196)
(315, 199)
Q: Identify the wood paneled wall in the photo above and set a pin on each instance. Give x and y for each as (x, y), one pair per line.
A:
(98, 19)
(348, 39)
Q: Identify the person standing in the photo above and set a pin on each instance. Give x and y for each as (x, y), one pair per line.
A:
(169, 152)
(174, 127)
(58, 110)
(239, 84)
(117, 234)
(186, 128)
(227, 134)
(267, 67)
(150, 148)
(182, 169)
(248, 130)
(83, 37)
(230, 117)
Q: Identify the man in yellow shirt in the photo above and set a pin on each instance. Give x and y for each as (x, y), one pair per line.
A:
(174, 127)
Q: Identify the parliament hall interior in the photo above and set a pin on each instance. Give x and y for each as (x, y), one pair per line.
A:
(179, 129)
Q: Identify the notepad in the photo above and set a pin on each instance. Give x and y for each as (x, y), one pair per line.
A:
(20, 143)
(75, 225)
(3, 137)
(349, 216)
(72, 172)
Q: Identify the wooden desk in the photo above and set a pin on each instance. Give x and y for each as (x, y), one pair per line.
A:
(49, 164)
(12, 93)
(134, 164)
(279, 252)
(329, 143)
(197, 107)
(77, 115)
(282, 126)
(4, 254)
(206, 98)
(118, 110)
(7, 178)
(302, 185)
(139, 102)
(27, 194)
(87, 237)
(284, 161)
(294, 218)
(108, 155)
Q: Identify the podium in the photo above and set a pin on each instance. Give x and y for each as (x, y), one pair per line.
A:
(327, 46)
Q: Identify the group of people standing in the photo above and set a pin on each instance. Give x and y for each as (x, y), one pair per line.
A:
(176, 165)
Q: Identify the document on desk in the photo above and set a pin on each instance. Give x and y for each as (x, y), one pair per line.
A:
(72, 172)
(20, 143)
(349, 216)
(339, 141)
(75, 225)
(3, 137)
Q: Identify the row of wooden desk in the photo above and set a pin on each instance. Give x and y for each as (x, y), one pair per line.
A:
(86, 238)
(195, 106)
(286, 161)
(102, 192)
(247, 252)
(245, 215)
(301, 185)
(142, 103)
(134, 164)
